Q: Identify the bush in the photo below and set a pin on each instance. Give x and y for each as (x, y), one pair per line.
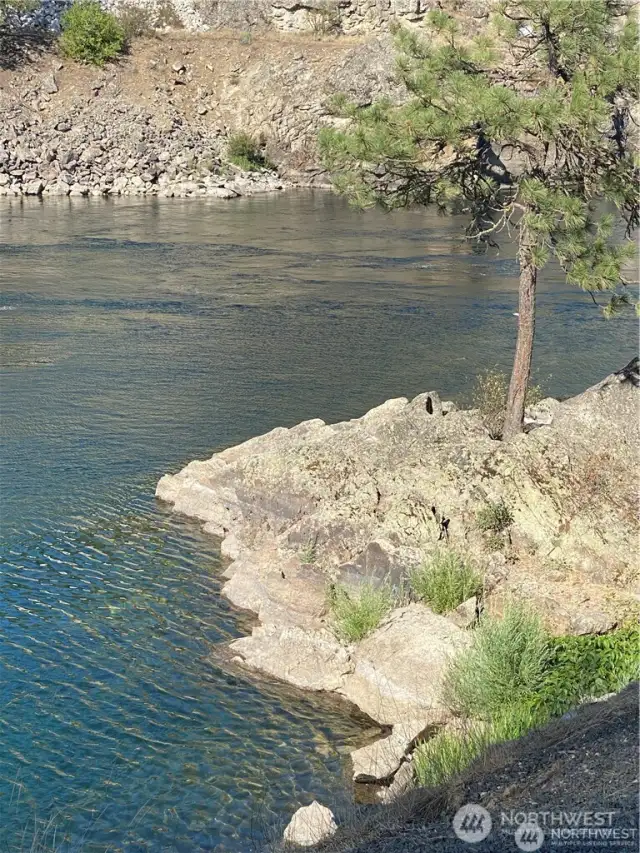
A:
(504, 667)
(135, 21)
(357, 614)
(490, 394)
(324, 19)
(244, 151)
(494, 516)
(445, 581)
(90, 34)
(567, 672)
(587, 667)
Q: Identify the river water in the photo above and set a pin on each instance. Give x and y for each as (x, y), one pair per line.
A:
(137, 336)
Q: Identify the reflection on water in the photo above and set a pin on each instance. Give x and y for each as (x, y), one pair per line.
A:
(135, 336)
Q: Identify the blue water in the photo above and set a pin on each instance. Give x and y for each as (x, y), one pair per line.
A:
(137, 336)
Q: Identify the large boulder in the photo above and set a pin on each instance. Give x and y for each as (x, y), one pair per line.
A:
(368, 499)
(399, 669)
(310, 825)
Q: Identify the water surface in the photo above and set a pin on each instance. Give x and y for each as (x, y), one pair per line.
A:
(136, 336)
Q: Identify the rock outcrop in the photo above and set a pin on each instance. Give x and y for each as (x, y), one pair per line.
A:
(320, 17)
(368, 499)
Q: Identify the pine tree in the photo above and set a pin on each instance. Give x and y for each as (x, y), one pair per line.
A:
(527, 128)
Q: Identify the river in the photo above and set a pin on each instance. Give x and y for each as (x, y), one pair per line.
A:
(137, 335)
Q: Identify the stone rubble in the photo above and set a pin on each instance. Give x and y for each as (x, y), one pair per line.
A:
(127, 152)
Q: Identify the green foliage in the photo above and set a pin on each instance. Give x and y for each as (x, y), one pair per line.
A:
(504, 667)
(567, 130)
(495, 516)
(448, 753)
(246, 38)
(357, 614)
(89, 34)
(516, 678)
(244, 151)
(489, 396)
(445, 581)
(588, 666)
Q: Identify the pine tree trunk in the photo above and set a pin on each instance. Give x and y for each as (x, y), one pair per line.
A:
(524, 345)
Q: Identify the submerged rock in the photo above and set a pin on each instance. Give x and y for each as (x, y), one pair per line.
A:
(310, 825)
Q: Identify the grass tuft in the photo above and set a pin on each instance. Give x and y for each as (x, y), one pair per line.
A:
(448, 753)
(445, 581)
(243, 151)
(494, 516)
(356, 614)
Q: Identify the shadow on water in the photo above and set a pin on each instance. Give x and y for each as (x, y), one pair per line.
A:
(139, 335)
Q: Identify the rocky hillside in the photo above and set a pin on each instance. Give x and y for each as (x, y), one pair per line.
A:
(320, 17)
(157, 123)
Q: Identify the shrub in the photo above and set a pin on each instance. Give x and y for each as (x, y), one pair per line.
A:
(244, 151)
(134, 20)
(90, 34)
(357, 614)
(564, 670)
(246, 38)
(445, 581)
(490, 397)
(587, 667)
(324, 19)
(504, 667)
(167, 16)
(494, 516)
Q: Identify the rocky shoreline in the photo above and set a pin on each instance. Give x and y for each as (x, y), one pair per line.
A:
(365, 501)
(158, 122)
(117, 150)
